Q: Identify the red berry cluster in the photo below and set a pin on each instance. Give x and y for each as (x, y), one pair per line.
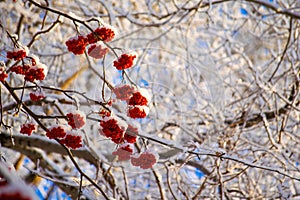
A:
(77, 44)
(137, 111)
(117, 130)
(109, 127)
(138, 104)
(76, 119)
(17, 54)
(123, 92)
(36, 96)
(3, 74)
(37, 72)
(96, 51)
(56, 132)
(102, 33)
(130, 134)
(27, 128)
(138, 99)
(69, 138)
(145, 160)
(20, 69)
(32, 71)
(72, 140)
(123, 152)
(125, 61)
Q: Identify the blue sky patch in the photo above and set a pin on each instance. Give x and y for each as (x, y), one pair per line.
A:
(199, 173)
(243, 11)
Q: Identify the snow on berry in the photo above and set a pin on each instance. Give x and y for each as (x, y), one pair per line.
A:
(97, 51)
(27, 128)
(137, 111)
(113, 128)
(125, 61)
(145, 160)
(18, 54)
(123, 152)
(13, 192)
(3, 74)
(56, 131)
(139, 98)
(123, 92)
(36, 96)
(76, 119)
(37, 72)
(102, 33)
(131, 134)
(77, 44)
(12, 187)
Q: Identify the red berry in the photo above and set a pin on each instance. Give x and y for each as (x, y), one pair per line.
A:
(77, 44)
(123, 153)
(145, 160)
(125, 61)
(55, 132)
(104, 113)
(103, 34)
(38, 72)
(27, 128)
(20, 69)
(72, 140)
(123, 92)
(110, 102)
(17, 54)
(96, 51)
(3, 74)
(36, 96)
(110, 127)
(34, 60)
(76, 119)
(138, 111)
(138, 99)
(130, 134)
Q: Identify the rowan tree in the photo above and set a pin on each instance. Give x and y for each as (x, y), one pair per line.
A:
(180, 99)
